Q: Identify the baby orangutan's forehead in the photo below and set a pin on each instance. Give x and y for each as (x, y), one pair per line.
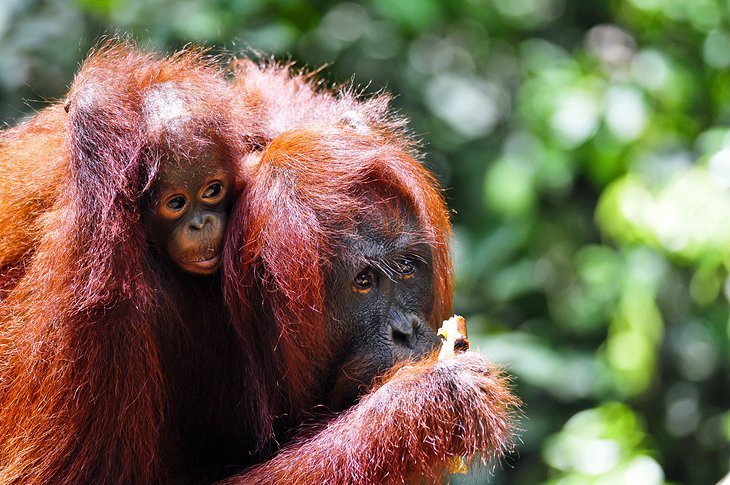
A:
(192, 171)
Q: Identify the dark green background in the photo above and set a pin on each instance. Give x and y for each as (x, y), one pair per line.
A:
(585, 148)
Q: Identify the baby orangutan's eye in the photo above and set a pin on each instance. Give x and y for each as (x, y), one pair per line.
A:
(213, 191)
(176, 203)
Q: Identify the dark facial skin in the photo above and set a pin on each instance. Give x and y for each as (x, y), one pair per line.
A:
(380, 305)
(187, 215)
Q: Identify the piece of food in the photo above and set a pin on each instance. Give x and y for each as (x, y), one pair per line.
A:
(453, 333)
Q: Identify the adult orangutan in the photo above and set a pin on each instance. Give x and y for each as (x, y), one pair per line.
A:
(343, 236)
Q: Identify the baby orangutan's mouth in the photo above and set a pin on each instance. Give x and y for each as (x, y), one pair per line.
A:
(201, 266)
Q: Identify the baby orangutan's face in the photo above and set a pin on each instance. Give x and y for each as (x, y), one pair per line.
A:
(189, 210)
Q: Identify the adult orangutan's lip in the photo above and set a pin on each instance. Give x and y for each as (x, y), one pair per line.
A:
(205, 266)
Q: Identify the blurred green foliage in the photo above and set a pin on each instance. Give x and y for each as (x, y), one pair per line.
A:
(586, 151)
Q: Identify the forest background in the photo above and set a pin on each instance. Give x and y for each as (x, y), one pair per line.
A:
(585, 151)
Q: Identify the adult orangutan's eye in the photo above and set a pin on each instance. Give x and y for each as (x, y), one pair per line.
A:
(364, 280)
(404, 266)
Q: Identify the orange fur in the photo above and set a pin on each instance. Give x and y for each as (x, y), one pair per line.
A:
(33, 164)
